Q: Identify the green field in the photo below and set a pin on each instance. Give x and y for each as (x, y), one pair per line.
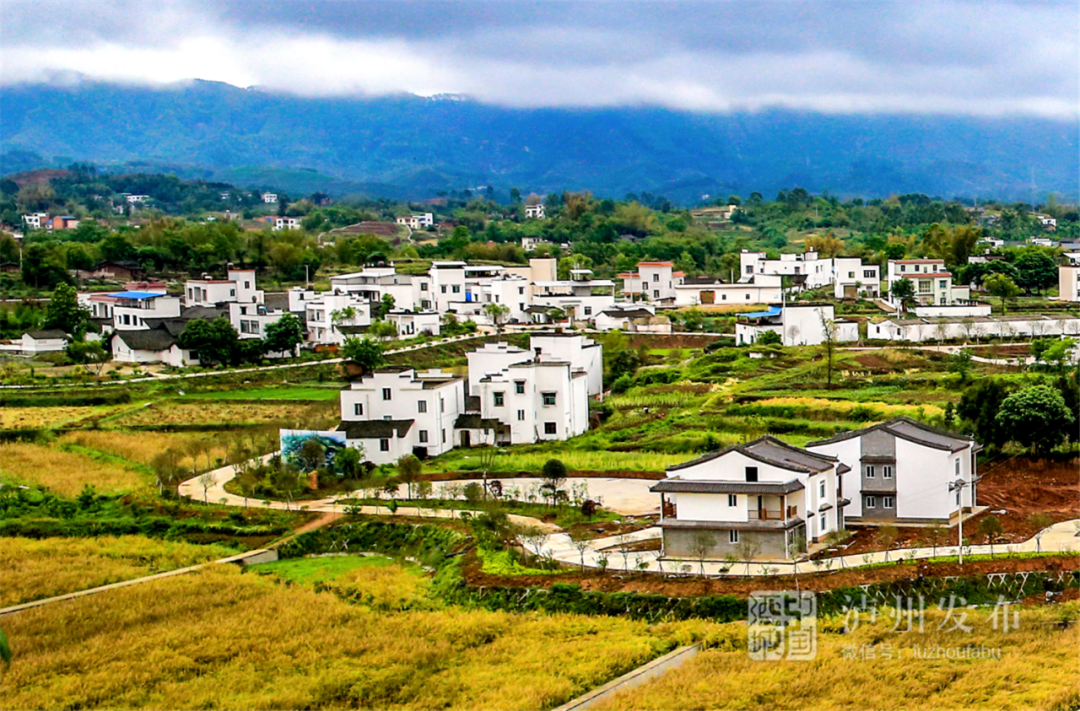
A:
(329, 392)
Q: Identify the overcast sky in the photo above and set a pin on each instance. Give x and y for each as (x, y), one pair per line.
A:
(857, 56)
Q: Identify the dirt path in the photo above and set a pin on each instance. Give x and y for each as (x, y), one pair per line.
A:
(325, 520)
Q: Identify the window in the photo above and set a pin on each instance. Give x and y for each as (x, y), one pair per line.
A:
(247, 284)
(457, 288)
(521, 415)
(886, 472)
(519, 387)
(851, 275)
(443, 288)
(387, 418)
(749, 268)
(549, 399)
(656, 277)
(232, 292)
(926, 286)
(723, 297)
(821, 490)
(656, 294)
(751, 473)
(384, 445)
(499, 398)
(423, 286)
(550, 428)
(521, 291)
(941, 284)
(421, 406)
(732, 499)
(423, 436)
(442, 405)
(868, 273)
(386, 393)
(869, 471)
(588, 311)
(358, 409)
(733, 536)
(871, 502)
(958, 467)
(444, 436)
(903, 267)
(887, 502)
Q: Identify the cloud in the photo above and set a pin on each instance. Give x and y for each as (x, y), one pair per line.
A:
(968, 58)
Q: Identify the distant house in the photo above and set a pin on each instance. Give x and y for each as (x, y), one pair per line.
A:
(1069, 283)
(767, 493)
(114, 271)
(932, 282)
(417, 222)
(47, 341)
(800, 324)
(904, 471)
(270, 198)
(535, 212)
(35, 220)
(152, 345)
(63, 222)
(653, 281)
(137, 199)
(854, 279)
(286, 223)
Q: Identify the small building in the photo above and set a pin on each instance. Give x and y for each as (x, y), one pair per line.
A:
(797, 324)
(270, 198)
(653, 281)
(806, 271)
(534, 212)
(415, 323)
(44, 341)
(932, 282)
(286, 223)
(853, 279)
(766, 494)
(904, 471)
(238, 285)
(707, 291)
(152, 345)
(62, 222)
(35, 220)
(417, 222)
(1069, 283)
(136, 199)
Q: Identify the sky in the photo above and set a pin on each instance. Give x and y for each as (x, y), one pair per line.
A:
(980, 58)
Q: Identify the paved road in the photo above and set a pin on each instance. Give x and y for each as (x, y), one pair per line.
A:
(1062, 537)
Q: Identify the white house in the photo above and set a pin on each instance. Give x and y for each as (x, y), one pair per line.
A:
(1048, 223)
(332, 317)
(417, 222)
(528, 244)
(902, 471)
(706, 291)
(765, 493)
(1069, 283)
(919, 330)
(137, 199)
(542, 398)
(852, 278)
(796, 324)
(131, 310)
(251, 320)
(932, 282)
(633, 318)
(269, 198)
(583, 354)
(414, 323)
(581, 297)
(152, 345)
(286, 223)
(534, 212)
(806, 270)
(238, 285)
(653, 281)
(46, 341)
(393, 413)
(35, 220)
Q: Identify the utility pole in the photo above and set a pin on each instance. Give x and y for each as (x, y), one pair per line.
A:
(958, 487)
(307, 275)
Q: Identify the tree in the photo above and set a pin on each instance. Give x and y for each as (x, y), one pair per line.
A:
(409, 468)
(1002, 287)
(990, 528)
(90, 354)
(1035, 417)
(828, 332)
(498, 314)
(700, 546)
(581, 545)
(554, 474)
(827, 246)
(386, 305)
(367, 353)
(284, 335)
(215, 342)
(979, 406)
(748, 547)
(769, 338)
(348, 461)
(65, 313)
(903, 292)
(167, 470)
(206, 480)
(1036, 271)
(960, 363)
(383, 330)
(312, 454)
(1040, 522)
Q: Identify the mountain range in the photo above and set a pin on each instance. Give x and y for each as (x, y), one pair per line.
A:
(406, 146)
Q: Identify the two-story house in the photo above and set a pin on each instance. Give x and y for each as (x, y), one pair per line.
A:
(906, 471)
(238, 285)
(391, 413)
(806, 271)
(653, 281)
(853, 279)
(764, 494)
(932, 282)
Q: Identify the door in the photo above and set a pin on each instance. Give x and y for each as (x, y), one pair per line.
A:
(849, 291)
(708, 297)
(466, 439)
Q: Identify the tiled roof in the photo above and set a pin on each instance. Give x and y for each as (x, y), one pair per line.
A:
(375, 429)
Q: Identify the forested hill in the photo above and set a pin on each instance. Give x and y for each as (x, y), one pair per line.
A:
(406, 146)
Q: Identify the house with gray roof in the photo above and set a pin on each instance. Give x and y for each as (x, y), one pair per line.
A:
(765, 495)
(905, 471)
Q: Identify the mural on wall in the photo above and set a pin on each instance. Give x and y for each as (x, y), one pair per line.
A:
(292, 443)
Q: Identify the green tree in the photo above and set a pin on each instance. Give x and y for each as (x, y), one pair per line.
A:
(383, 330)
(367, 353)
(348, 462)
(90, 354)
(312, 454)
(215, 342)
(769, 338)
(1036, 271)
(554, 474)
(1036, 417)
(498, 314)
(903, 291)
(989, 527)
(284, 335)
(979, 406)
(409, 468)
(386, 305)
(960, 363)
(1002, 287)
(65, 313)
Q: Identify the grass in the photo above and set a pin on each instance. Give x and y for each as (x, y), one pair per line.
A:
(579, 460)
(142, 447)
(24, 418)
(269, 393)
(180, 412)
(36, 569)
(65, 473)
(1036, 670)
(317, 570)
(222, 639)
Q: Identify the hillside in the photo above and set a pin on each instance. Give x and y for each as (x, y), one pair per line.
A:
(407, 146)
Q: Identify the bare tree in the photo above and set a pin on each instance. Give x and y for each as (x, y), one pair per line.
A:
(828, 331)
(701, 545)
(623, 542)
(581, 545)
(748, 547)
(206, 480)
(1040, 522)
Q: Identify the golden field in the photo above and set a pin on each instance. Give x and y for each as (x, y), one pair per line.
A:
(202, 412)
(36, 569)
(1037, 669)
(142, 447)
(65, 473)
(221, 638)
(23, 418)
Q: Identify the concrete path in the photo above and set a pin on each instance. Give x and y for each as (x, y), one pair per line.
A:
(135, 581)
(630, 497)
(632, 679)
(1061, 537)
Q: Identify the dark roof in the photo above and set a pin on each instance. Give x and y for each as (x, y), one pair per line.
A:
(476, 422)
(432, 383)
(207, 312)
(47, 333)
(701, 281)
(911, 430)
(375, 429)
(175, 326)
(279, 300)
(472, 403)
(150, 339)
(770, 450)
(347, 329)
(676, 485)
(627, 313)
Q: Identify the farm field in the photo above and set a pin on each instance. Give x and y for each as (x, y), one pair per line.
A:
(142, 447)
(180, 412)
(222, 638)
(1036, 670)
(36, 569)
(270, 393)
(65, 473)
(21, 418)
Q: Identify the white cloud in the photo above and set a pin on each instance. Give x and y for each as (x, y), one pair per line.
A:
(920, 58)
